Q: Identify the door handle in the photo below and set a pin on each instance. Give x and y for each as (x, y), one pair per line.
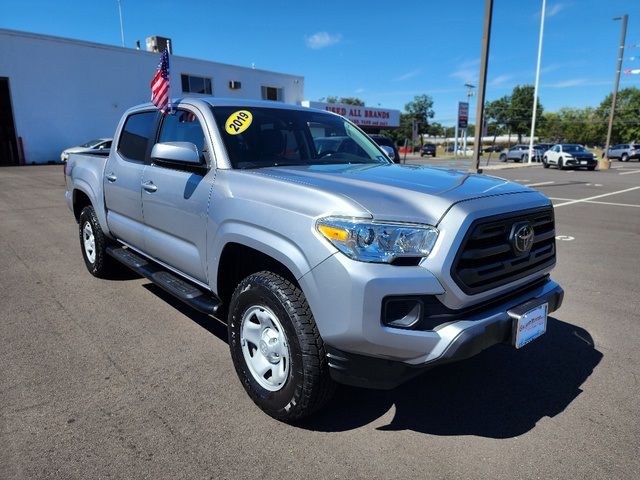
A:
(149, 186)
(111, 177)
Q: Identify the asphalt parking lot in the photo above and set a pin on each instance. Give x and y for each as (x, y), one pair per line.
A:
(114, 379)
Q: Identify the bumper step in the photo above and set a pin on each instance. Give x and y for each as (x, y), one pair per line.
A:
(196, 297)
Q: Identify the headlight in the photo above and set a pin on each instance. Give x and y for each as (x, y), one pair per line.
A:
(379, 242)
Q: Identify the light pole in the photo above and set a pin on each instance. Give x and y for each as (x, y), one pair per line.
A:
(605, 163)
(470, 88)
(121, 26)
(535, 88)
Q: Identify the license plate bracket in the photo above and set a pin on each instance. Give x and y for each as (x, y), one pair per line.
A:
(529, 322)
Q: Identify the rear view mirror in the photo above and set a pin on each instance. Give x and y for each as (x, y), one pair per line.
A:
(184, 152)
(389, 151)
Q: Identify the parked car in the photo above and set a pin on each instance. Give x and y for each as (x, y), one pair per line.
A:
(384, 140)
(569, 155)
(520, 153)
(99, 145)
(624, 151)
(493, 148)
(428, 149)
(332, 266)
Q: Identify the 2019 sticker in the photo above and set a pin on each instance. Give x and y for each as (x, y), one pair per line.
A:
(238, 122)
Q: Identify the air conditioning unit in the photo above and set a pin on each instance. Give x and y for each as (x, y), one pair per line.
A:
(159, 44)
(235, 85)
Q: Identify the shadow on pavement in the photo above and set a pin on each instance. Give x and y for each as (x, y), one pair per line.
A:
(500, 393)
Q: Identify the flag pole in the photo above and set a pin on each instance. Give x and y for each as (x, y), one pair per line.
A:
(535, 88)
(169, 57)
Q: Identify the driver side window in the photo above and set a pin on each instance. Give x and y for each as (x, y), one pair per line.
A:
(183, 126)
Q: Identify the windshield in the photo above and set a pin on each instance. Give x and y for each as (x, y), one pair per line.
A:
(572, 148)
(92, 143)
(267, 137)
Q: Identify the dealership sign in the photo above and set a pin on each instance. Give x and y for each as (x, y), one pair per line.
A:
(362, 116)
(463, 114)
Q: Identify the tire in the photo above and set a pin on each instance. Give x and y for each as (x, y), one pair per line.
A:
(503, 157)
(625, 157)
(591, 169)
(544, 162)
(93, 244)
(525, 158)
(421, 155)
(266, 306)
(561, 164)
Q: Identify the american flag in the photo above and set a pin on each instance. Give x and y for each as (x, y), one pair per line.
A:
(161, 83)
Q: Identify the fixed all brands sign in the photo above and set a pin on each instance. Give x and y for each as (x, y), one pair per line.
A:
(463, 114)
(361, 116)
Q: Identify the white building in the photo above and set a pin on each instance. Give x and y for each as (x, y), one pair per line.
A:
(57, 92)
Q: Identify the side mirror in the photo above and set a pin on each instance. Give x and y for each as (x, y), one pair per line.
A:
(389, 151)
(184, 152)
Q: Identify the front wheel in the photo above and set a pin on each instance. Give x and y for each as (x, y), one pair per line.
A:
(561, 164)
(625, 157)
(591, 169)
(276, 348)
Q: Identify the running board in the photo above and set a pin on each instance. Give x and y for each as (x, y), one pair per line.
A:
(205, 302)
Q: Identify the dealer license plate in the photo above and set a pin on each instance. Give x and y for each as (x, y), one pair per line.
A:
(530, 325)
(583, 162)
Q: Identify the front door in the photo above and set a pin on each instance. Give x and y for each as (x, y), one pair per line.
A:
(175, 200)
(123, 178)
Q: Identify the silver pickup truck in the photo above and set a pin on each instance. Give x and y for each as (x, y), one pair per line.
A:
(329, 263)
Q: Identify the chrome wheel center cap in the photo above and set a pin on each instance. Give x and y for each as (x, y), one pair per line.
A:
(269, 345)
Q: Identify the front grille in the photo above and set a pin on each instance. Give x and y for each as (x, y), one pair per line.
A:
(487, 259)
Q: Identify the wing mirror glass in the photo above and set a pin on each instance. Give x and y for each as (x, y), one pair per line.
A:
(389, 151)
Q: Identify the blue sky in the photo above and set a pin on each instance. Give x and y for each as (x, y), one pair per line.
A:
(383, 52)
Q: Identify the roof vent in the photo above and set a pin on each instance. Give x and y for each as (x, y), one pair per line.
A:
(159, 44)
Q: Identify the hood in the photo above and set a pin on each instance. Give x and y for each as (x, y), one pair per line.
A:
(408, 193)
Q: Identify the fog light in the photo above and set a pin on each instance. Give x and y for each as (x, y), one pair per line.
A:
(402, 312)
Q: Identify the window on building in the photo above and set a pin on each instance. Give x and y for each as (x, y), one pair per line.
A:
(193, 84)
(272, 93)
(136, 133)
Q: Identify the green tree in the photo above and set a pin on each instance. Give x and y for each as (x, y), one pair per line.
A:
(497, 115)
(420, 109)
(626, 123)
(346, 100)
(521, 109)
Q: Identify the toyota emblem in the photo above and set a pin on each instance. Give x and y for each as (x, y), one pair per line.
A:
(522, 235)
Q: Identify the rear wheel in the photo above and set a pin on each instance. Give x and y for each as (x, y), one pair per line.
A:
(93, 243)
(503, 157)
(525, 158)
(276, 348)
(544, 162)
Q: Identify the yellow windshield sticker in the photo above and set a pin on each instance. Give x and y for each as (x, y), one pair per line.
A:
(238, 122)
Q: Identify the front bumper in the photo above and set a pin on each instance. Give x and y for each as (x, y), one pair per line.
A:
(579, 162)
(484, 329)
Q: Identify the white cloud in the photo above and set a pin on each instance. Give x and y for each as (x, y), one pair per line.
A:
(359, 90)
(322, 40)
(573, 82)
(407, 76)
(555, 9)
(500, 80)
(467, 71)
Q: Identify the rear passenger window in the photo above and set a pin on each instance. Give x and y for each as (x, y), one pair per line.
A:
(136, 134)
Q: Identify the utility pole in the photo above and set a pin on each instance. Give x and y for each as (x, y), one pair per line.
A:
(464, 131)
(535, 88)
(605, 163)
(121, 26)
(482, 84)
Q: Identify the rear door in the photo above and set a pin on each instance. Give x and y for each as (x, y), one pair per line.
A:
(175, 200)
(123, 177)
